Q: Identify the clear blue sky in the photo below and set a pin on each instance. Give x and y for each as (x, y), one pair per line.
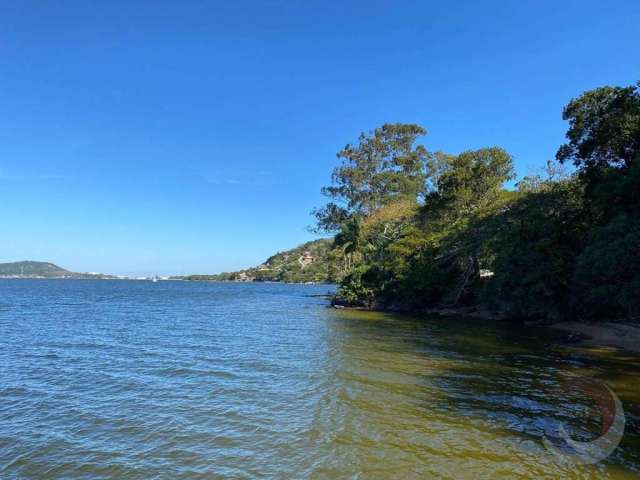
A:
(179, 137)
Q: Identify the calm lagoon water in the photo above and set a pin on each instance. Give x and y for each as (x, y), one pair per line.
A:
(176, 380)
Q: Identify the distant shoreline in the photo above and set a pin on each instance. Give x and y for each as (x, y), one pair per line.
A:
(81, 278)
(35, 277)
(150, 279)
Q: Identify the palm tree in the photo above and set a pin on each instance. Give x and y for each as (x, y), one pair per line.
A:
(349, 239)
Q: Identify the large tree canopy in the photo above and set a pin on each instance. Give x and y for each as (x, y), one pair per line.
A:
(604, 128)
(472, 180)
(385, 166)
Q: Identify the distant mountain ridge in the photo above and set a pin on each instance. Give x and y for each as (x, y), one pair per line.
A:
(309, 262)
(33, 269)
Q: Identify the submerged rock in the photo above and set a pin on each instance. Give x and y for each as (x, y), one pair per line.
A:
(575, 337)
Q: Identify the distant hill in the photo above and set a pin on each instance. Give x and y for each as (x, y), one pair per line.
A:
(31, 269)
(309, 262)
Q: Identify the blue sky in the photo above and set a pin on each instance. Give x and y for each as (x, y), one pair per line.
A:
(181, 137)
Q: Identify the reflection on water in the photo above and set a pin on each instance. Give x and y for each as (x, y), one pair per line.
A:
(115, 379)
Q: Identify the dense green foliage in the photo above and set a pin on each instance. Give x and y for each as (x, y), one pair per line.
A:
(311, 262)
(382, 168)
(420, 230)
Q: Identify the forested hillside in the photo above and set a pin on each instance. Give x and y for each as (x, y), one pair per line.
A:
(310, 262)
(421, 229)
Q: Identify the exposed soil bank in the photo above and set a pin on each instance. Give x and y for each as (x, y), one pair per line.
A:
(625, 336)
(612, 334)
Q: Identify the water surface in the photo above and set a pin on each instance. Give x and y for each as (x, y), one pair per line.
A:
(141, 380)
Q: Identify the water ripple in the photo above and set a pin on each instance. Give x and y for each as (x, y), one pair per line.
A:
(117, 379)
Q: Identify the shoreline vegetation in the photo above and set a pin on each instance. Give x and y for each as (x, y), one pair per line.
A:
(431, 232)
(413, 230)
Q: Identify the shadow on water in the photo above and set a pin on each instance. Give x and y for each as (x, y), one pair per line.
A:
(470, 396)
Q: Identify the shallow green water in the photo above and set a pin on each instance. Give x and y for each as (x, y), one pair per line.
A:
(135, 380)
